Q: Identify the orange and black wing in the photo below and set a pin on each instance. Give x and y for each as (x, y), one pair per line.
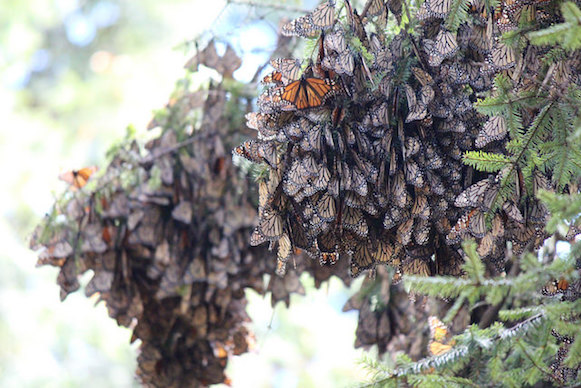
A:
(307, 92)
(78, 178)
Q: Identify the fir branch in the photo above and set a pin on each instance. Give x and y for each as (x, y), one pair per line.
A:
(485, 161)
(567, 34)
(521, 328)
(458, 14)
(543, 369)
(448, 358)
(520, 313)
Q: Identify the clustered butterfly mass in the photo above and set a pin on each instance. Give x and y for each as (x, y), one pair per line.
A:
(363, 143)
(164, 230)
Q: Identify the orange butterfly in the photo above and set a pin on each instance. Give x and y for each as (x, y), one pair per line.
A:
(308, 92)
(439, 337)
(273, 78)
(78, 178)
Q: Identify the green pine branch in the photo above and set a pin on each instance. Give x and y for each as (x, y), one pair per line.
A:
(485, 161)
(567, 34)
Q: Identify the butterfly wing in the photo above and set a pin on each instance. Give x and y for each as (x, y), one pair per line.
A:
(78, 178)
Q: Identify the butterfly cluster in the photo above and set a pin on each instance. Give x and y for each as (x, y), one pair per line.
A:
(165, 229)
(363, 143)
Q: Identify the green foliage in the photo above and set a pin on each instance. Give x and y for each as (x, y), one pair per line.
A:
(458, 14)
(506, 354)
(567, 34)
(485, 161)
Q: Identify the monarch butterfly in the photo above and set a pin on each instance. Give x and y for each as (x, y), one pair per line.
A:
(335, 42)
(473, 221)
(298, 235)
(413, 266)
(342, 63)
(404, 231)
(373, 7)
(502, 56)
(413, 173)
(540, 182)
(417, 112)
(435, 183)
(445, 44)
(384, 252)
(356, 24)
(284, 250)
(353, 220)
(308, 92)
(422, 231)
(438, 8)
(267, 125)
(78, 178)
(326, 207)
(538, 213)
(421, 207)
(379, 114)
(322, 180)
(505, 19)
(263, 194)
(412, 146)
(353, 200)
(393, 216)
(477, 223)
(367, 168)
(322, 18)
(513, 212)
(475, 194)
(258, 152)
(289, 68)
(362, 258)
(270, 225)
(333, 186)
(486, 245)
(480, 40)
(293, 131)
(439, 337)
(494, 129)
(497, 226)
(273, 78)
(434, 160)
(358, 182)
(398, 190)
(377, 8)
(311, 167)
(311, 138)
(296, 179)
(422, 76)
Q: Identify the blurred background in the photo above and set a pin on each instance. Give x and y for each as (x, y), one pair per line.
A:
(73, 76)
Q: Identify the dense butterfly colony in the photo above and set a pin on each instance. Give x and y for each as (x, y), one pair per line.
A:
(165, 231)
(364, 142)
(363, 151)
